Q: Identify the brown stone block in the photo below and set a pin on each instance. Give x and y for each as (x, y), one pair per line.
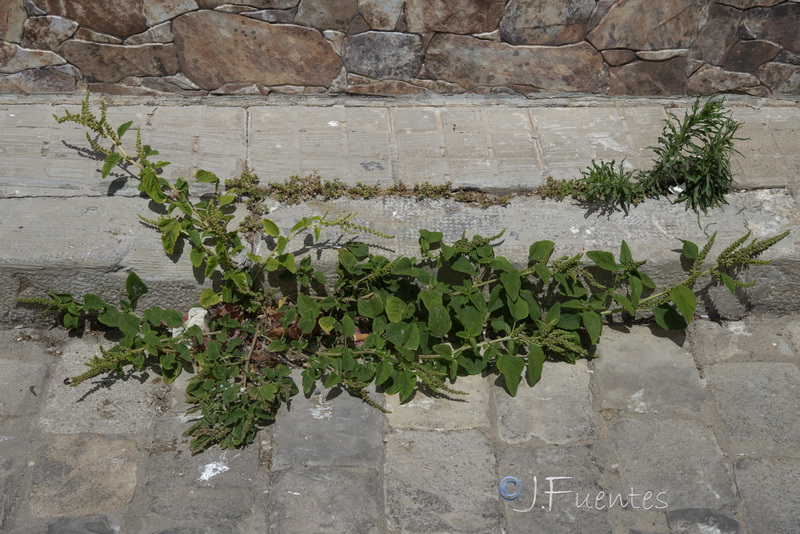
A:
(14, 58)
(472, 63)
(384, 55)
(116, 17)
(12, 18)
(36, 81)
(46, 33)
(718, 35)
(747, 56)
(709, 80)
(649, 78)
(649, 24)
(535, 22)
(217, 48)
(781, 78)
(327, 14)
(778, 24)
(111, 63)
(453, 16)
(618, 57)
(381, 14)
(386, 88)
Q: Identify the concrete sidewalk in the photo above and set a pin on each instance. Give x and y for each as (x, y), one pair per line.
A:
(705, 423)
(680, 434)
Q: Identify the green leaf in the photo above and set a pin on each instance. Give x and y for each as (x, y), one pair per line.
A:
(636, 290)
(170, 232)
(240, 279)
(209, 298)
(554, 314)
(593, 323)
(110, 317)
(604, 260)
(270, 228)
(542, 272)
(383, 372)
(536, 360)
(625, 256)
(668, 318)
(540, 251)
(690, 250)
(211, 265)
(519, 309)
(463, 265)
(134, 286)
(403, 335)
(511, 283)
(729, 282)
(197, 256)
(439, 321)
(111, 161)
(511, 368)
(264, 392)
(395, 309)
(123, 128)
(206, 177)
(371, 307)
(623, 301)
(358, 249)
(685, 300)
(93, 302)
(444, 350)
(327, 323)
(224, 200)
(472, 320)
(151, 186)
(348, 327)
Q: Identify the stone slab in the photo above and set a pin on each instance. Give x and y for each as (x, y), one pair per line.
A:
(325, 499)
(678, 457)
(443, 414)
(82, 474)
(752, 339)
(563, 490)
(330, 428)
(100, 405)
(20, 384)
(440, 482)
(770, 489)
(656, 376)
(758, 402)
(557, 410)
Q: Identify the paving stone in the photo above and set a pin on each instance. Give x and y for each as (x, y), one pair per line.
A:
(562, 490)
(557, 410)
(14, 446)
(569, 146)
(331, 428)
(434, 483)
(701, 520)
(20, 383)
(325, 499)
(770, 489)
(758, 402)
(100, 405)
(82, 474)
(443, 414)
(678, 457)
(99, 524)
(416, 120)
(662, 379)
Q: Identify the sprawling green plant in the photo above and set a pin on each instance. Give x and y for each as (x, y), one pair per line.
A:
(400, 324)
(693, 158)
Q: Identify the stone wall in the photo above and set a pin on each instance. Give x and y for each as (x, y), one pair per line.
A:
(401, 47)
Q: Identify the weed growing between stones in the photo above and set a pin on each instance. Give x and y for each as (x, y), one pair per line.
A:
(693, 160)
(401, 324)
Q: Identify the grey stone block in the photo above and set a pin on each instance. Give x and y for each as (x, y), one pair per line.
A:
(702, 520)
(443, 414)
(758, 402)
(81, 474)
(325, 499)
(680, 458)
(95, 524)
(770, 489)
(645, 370)
(557, 410)
(100, 405)
(20, 383)
(563, 490)
(331, 428)
(440, 482)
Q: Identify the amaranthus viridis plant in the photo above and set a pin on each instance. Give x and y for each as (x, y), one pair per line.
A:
(396, 324)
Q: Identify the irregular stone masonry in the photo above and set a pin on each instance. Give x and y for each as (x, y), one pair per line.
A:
(394, 47)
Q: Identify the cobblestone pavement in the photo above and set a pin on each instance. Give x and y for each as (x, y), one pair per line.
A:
(680, 433)
(694, 432)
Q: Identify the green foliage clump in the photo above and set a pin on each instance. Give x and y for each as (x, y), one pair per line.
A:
(399, 324)
(693, 158)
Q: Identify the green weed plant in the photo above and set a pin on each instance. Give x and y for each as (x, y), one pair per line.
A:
(396, 324)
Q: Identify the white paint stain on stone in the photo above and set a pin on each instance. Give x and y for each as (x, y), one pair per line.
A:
(214, 468)
(636, 403)
(739, 328)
